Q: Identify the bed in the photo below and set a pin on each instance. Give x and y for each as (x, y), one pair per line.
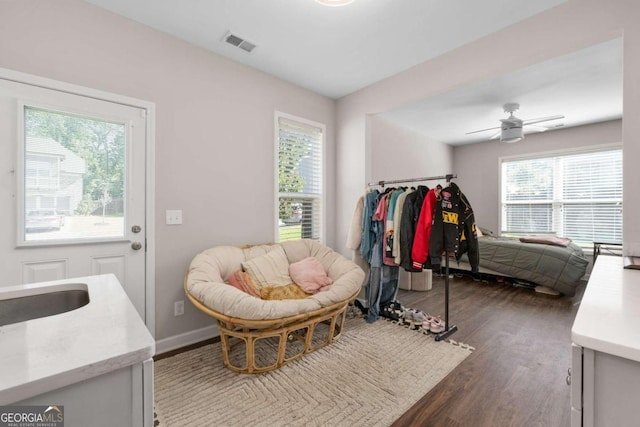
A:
(554, 267)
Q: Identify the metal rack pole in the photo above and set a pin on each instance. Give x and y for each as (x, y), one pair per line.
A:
(448, 177)
(449, 330)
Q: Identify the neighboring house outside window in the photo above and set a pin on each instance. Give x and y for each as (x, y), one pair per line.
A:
(576, 195)
(53, 177)
(300, 178)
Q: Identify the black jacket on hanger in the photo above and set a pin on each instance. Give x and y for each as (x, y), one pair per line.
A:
(454, 228)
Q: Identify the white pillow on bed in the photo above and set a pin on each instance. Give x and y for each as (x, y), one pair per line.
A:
(271, 268)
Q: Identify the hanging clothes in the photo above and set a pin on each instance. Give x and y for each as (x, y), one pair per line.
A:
(454, 228)
(382, 279)
(354, 235)
(389, 228)
(408, 224)
(420, 249)
(397, 220)
(369, 226)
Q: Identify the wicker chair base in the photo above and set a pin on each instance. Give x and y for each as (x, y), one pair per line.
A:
(257, 346)
(254, 351)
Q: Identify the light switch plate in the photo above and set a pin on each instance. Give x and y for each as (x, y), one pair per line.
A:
(174, 217)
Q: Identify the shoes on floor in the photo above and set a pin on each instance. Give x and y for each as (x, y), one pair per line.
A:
(393, 311)
(407, 317)
(419, 320)
(419, 317)
(436, 324)
(426, 323)
(364, 310)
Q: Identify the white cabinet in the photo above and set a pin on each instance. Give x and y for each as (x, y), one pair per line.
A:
(605, 389)
(605, 364)
(118, 398)
(575, 380)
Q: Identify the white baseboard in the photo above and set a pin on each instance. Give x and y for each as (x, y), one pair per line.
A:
(182, 340)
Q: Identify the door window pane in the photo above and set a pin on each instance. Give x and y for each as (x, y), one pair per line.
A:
(74, 177)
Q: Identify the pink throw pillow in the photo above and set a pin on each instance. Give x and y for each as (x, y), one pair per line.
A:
(310, 276)
(547, 240)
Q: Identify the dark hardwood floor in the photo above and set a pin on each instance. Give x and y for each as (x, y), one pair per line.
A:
(517, 374)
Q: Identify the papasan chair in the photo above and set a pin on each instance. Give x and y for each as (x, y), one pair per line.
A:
(259, 335)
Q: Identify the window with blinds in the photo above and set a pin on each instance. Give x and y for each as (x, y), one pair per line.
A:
(300, 178)
(575, 195)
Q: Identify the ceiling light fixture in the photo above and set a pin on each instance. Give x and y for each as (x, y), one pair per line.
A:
(511, 134)
(334, 3)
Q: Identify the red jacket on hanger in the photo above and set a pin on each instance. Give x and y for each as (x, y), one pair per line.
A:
(420, 250)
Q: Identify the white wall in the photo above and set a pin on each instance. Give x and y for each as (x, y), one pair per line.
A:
(399, 153)
(214, 127)
(478, 167)
(631, 134)
(574, 25)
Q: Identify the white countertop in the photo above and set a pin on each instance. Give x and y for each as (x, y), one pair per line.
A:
(45, 354)
(608, 318)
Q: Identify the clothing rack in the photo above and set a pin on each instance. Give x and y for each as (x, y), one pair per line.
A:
(448, 177)
(449, 329)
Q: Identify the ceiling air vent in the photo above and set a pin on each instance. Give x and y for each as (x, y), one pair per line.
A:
(239, 42)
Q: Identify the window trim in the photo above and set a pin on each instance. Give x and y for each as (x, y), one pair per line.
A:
(323, 167)
(545, 154)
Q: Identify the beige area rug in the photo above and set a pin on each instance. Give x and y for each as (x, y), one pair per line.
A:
(369, 377)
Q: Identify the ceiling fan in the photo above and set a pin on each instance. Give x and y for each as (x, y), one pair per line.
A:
(512, 128)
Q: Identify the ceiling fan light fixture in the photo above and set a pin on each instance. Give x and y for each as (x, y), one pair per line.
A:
(511, 135)
(511, 140)
(334, 3)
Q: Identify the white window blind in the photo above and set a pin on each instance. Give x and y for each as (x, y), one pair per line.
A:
(575, 195)
(300, 179)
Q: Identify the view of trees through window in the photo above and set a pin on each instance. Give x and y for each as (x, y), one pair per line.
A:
(74, 183)
(289, 178)
(299, 183)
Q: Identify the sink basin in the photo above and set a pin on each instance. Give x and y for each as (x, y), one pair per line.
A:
(34, 303)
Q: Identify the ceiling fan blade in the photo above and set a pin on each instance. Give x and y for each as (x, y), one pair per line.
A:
(535, 128)
(482, 130)
(542, 119)
(496, 135)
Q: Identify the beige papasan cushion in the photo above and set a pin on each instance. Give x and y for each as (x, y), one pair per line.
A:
(210, 269)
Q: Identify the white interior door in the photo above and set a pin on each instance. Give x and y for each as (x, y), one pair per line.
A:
(72, 188)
